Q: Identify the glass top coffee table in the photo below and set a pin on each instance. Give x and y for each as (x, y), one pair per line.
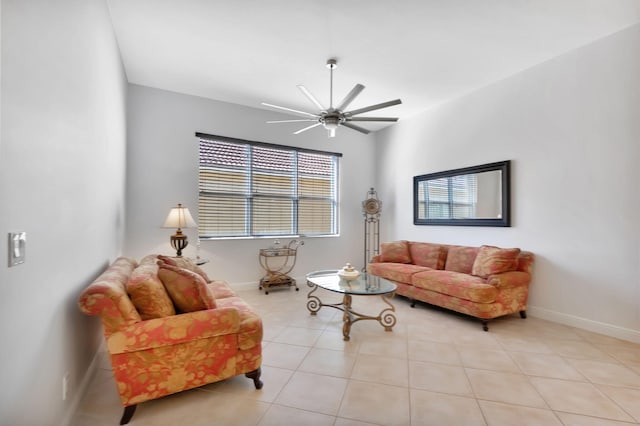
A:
(364, 285)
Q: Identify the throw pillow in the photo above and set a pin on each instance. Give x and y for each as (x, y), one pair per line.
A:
(396, 252)
(427, 254)
(187, 289)
(148, 294)
(494, 260)
(185, 263)
(461, 259)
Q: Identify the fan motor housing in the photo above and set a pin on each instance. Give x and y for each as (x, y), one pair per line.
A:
(332, 119)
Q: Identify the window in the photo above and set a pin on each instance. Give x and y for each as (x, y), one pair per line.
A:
(254, 189)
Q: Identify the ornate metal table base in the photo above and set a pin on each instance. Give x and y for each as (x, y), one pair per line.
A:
(386, 318)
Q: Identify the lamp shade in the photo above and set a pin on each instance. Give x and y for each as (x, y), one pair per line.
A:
(179, 217)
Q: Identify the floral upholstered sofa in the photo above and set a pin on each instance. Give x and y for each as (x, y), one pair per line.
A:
(485, 282)
(169, 328)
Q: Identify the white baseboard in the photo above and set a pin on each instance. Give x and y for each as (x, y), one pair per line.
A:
(76, 398)
(585, 324)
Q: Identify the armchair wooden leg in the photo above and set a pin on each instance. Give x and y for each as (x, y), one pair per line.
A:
(255, 376)
(523, 314)
(485, 324)
(128, 413)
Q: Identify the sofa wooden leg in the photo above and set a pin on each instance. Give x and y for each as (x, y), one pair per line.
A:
(523, 314)
(413, 303)
(128, 413)
(485, 325)
(255, 376)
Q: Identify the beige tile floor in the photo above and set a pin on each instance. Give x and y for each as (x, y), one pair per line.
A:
(434, 368)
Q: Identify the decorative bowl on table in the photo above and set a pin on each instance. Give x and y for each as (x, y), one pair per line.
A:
(348, 272)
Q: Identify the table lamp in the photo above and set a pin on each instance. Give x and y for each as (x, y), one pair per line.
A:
(179, 217)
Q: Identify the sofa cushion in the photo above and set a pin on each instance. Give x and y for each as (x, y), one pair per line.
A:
(187, 289)
(456, 284)
(426, 254)
(495, 260)
(398, 272)
(107, 297)
(185, 263)
(396, 252)
(250, 333)
(148, 294)
(220, 289)
(461, 258)
(525, 261)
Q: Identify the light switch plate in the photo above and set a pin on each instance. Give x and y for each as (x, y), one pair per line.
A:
(17, 247)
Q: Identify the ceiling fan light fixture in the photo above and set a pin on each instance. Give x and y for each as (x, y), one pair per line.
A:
(331, 123)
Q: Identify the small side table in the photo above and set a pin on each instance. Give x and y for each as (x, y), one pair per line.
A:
(278, 262)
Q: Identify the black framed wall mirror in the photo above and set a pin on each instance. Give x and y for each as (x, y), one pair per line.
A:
(471, 196)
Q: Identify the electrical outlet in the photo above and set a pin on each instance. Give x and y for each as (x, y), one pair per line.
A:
(65, 386)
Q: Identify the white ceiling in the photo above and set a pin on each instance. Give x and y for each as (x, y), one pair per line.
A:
(422, 51)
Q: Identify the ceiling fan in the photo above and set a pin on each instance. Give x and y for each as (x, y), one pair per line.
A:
(333, 117)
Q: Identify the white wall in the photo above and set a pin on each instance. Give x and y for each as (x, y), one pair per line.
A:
(163, 171)
(571, 127)
(62, 170)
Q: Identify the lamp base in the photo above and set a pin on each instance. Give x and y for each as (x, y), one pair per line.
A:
(179, 242)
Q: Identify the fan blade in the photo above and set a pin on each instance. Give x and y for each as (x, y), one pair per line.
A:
(372, 119)
(306, 128)
(350, 97)
(292, 121)
(292, 111)
(354, 127)
(374, 107)
(312, 98)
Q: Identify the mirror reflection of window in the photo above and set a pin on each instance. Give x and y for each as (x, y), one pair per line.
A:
(453, 197)
(471, 196)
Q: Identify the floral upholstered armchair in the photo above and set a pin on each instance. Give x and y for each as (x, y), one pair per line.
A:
(169, 328)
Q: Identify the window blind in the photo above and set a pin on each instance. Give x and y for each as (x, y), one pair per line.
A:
(254, 189)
